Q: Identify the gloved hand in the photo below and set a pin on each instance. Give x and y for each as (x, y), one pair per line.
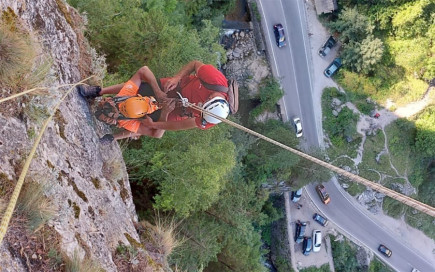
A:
(107, 139)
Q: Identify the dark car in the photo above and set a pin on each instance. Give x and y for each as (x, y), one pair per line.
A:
(324, 50)
(333, 67)
(296, 195)
(279, 35)
(320, 219)
(385, 250)
(324, 196)
(307, 245)
(300, 231)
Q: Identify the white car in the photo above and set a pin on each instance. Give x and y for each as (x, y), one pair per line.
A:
(298, 126)
(317, 240)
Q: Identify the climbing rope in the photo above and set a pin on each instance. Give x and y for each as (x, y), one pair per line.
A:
(429, 210)
(13, 201)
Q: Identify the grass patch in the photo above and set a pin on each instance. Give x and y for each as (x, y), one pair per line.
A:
(340, 129)
(344, 255)
(420, 221)
(372, 175)
(32, 203)
(76, 264)
(393, 207)
(377, 266)
(355, 188)
(36, 113)
(373, 160)
(254, 9)
(162, 235)
(400, 138)
(21, 65)
(407, 91)
(323, 268)
(343, 161)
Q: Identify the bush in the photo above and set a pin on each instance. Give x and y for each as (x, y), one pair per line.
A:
(270, 94)
(393, 207)
(344, 256)
(425, 136)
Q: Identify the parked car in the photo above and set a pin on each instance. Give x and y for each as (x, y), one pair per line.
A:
(298, 126)
(278, 30)
(320, 219)
(385, 250)
(317, 240)
(327, 46)
(323, 194)
(300, 231)
(415, 270)
(333, 67)
(296, 195)
(306, 246)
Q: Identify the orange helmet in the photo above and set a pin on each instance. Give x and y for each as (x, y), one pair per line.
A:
(138, 106)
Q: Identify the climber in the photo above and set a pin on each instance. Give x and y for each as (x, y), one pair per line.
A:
(208, 88)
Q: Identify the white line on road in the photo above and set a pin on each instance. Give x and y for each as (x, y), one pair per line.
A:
(294, 67)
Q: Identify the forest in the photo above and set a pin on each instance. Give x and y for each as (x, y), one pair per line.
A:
(387, 48)
(210, 183)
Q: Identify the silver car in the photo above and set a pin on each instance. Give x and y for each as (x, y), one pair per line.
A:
(298, 126)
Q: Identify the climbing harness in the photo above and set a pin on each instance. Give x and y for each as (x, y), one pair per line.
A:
(111, 109)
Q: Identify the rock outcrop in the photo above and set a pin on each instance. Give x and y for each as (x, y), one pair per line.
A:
(87, 182)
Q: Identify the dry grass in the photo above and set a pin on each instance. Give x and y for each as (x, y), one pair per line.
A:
(162, 235)
(20, 65)
(76, 264)
(3, 206)
(37, 208)
(14, 52)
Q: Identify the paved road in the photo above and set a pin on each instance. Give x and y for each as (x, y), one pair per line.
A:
(290, 63)
(292, 66)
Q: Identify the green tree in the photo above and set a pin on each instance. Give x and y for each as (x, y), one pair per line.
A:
(371, 52)
(344, 257)
(226, 230)
(363, 56)
(425, 136)
(189, 167)
(413, 19)
(270, 94)
(307, 171)
(266, 161)
(352, 25)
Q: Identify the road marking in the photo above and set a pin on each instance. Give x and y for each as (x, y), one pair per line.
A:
(348, 234)
(294, 67)
(273, 52)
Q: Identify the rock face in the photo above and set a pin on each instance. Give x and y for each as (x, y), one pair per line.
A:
(245, 63)
(88, 182)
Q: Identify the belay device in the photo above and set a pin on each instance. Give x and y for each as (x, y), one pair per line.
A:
(111, 109)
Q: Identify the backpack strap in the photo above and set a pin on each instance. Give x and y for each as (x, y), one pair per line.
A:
(217, 88)
(232, 91)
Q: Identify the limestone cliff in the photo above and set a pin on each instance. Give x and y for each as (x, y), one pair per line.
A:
(87, 182)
